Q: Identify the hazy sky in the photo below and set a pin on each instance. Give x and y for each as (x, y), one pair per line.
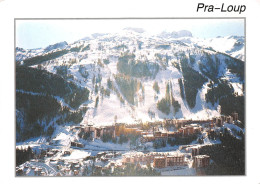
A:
(41, 33)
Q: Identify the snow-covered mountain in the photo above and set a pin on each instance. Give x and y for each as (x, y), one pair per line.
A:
(231, 45)
(60, 45)
(134, 77)
(174, 34)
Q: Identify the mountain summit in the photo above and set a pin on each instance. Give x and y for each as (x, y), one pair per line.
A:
(60, 45)
(174, 34)
(129, 78)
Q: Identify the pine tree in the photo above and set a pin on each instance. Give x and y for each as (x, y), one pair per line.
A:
(96, 89)
(156, 87)
(96, 102)
(93, 80)
(109, 83)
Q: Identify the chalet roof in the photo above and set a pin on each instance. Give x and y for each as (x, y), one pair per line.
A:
(148, 135)
(202, 156)
(159, 157)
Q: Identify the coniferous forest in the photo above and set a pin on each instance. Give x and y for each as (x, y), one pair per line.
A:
(37, 102)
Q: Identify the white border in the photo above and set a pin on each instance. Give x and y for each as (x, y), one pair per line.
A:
(10, 9)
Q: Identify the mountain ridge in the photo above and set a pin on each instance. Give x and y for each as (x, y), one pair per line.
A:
(121, 72)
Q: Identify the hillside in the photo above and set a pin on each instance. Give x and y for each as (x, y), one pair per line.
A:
(130, 77)
(44, 100)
